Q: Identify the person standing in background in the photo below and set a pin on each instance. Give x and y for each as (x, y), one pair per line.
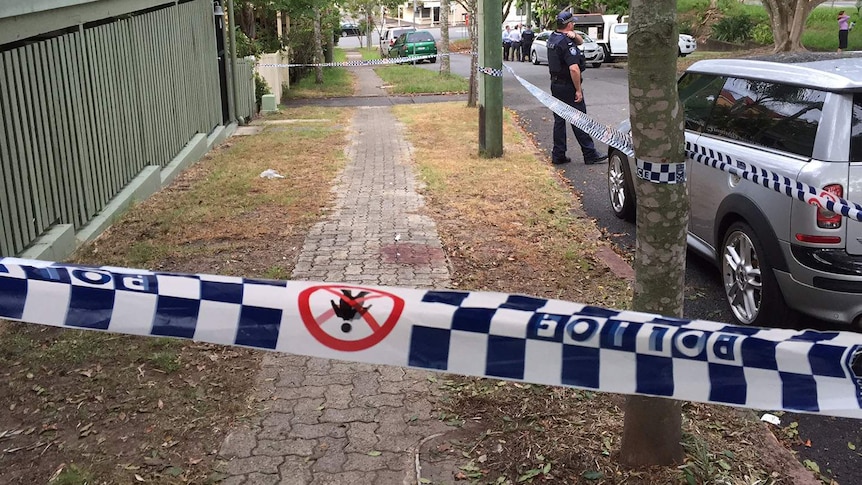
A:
(507, 43)
(515, 37)
(527, 37)
(566, 62)
(843, 30)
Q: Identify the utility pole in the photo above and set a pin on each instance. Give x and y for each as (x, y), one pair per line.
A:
(490, 87)
(529, 14)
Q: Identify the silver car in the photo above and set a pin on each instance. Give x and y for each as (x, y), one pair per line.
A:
(594, 54)
(798, 116)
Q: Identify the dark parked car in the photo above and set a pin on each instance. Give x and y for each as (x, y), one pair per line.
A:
(410, 44)
(350, 29)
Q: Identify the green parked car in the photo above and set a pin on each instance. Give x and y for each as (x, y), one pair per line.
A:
(418, 43)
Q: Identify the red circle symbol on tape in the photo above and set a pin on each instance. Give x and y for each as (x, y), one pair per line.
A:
(352, 306)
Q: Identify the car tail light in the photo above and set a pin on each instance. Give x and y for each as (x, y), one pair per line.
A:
(827, 219)
(818, 239)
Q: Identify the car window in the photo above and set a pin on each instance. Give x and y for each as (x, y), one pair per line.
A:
(856, 129)
(587, 38)
(420, 37)
(697, 93)
(543, 36)
(768, 114)
(621, 28)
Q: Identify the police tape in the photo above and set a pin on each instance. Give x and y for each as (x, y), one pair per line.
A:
(490, 71)
(493, 335)
(779, 183)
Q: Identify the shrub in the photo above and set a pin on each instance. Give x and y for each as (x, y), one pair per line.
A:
(689, 5)
(762, 34)
(245, 46)
(735, 28)
(261, 87)
(685, 27)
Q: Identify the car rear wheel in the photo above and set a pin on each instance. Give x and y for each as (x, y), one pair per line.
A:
(620, 186)
(534, 58)
(749, 282)
(433, 60)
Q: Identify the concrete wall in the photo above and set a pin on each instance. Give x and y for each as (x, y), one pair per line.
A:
(274, 76)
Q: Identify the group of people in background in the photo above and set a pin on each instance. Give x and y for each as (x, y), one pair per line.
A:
(517, 43)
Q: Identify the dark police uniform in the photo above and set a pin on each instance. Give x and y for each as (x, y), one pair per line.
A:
(527, 37)
(562, 53)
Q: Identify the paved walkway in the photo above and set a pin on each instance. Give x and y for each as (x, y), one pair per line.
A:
(331, 422)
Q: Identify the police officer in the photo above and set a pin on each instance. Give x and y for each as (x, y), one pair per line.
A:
(527, 36)
(566, 63)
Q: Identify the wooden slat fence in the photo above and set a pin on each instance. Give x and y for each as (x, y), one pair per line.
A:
(81, 114)
(246, 102)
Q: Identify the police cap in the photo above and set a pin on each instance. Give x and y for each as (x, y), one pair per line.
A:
(564, 18)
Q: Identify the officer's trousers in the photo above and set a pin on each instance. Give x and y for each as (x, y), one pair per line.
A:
(565, 92)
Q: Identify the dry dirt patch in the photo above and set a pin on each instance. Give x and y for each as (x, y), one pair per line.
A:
(88, 407)
(512, 225)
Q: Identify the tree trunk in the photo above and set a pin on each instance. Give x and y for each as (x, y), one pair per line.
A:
(444, 38)
(318, 47)
(369, 29)
(788, 22)
(246, 21)
(653, 427)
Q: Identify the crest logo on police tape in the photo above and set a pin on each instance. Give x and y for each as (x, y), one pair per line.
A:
(349, 324)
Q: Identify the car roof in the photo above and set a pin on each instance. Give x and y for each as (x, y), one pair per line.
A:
(827, 71)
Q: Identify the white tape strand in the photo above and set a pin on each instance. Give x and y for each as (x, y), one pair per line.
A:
(603, 133)
(494, 335)
(771, 180)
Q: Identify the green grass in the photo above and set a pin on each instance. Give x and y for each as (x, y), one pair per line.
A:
(73, 476)
(415, 80)
(369, 53)
(821, 28)
(166, 361)
(337, 81)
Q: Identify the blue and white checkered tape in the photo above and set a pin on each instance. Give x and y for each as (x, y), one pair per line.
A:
(495, 335)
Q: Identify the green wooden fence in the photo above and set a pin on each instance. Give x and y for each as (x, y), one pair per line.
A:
(246, 102)
(82, 113)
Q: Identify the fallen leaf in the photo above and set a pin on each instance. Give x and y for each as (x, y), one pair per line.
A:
(139, 478)
(161, 404)
(374, 453)
(851, 445)
(460, 476)
(424, 480)
(194, 461)
(808, 443)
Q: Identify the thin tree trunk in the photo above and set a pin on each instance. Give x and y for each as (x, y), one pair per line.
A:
(653, 427)
(369, 23)
(473, 92)
(246, 21)
(444, 38)
(788, 22)
(318, 47)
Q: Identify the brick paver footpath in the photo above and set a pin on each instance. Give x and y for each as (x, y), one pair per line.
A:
(332, 422)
